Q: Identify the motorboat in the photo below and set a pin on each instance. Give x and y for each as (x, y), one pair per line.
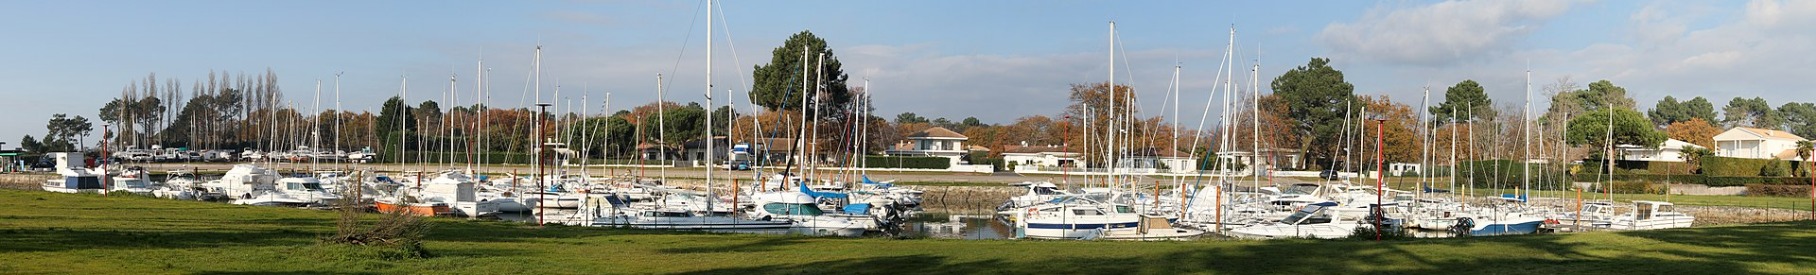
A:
(610, 210)
(1311, 221)
(291, 191)
(76, 179)
(1037, 192)
(133, 180)
(183, 185)
(1646, 215)
(1079, 218)
(807, 216)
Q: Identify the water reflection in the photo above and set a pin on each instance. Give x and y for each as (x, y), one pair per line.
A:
(953, 226)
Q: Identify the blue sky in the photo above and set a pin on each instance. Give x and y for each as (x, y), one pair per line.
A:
(995, 60)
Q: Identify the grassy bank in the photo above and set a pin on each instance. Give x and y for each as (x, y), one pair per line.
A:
(60, 233)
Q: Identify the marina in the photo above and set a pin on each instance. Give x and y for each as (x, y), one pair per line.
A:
(923, 137)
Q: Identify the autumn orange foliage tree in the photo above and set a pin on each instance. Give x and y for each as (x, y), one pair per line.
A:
(1695, 131)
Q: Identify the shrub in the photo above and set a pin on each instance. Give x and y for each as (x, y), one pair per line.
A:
(907, 162)
(395, 235)
(1368, 233)
(1510, 172)
(1733, 167)
(1773, 168)
(1778, 190)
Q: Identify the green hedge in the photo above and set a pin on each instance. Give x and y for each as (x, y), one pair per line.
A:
(1511, 173)
(1701, 179)
(907, 162)
(1632, 167)
(1734, 167)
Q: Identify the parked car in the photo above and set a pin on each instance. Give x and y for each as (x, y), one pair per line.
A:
(1329, 174)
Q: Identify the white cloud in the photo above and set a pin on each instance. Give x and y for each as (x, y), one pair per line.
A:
(998, 88)
(1764, 52)
(1444, 33)
(1718, 53)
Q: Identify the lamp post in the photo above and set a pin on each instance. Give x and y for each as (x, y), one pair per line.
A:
(103, 159)
(1380, 171)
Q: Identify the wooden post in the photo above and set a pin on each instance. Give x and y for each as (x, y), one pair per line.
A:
(1219, 207)
(1578, 224)
(1156, 194)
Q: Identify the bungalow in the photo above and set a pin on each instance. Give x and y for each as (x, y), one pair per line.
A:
(1154, 160)
(1040, 158)
(695, 150)
(1756, 143)
(1671, 151)
(933, 142)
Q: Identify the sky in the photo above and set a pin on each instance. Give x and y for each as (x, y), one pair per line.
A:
(994, 60)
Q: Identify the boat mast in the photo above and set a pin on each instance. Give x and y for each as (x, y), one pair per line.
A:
(1425, 129)
(709, 103)
(1453, 149)
(1526, 130)
(1608, 159)
(337, 119)
(315, 131)
(1110, 135)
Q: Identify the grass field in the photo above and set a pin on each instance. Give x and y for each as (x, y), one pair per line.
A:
(62, 233)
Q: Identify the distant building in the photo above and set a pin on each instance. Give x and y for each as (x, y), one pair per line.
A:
(1154, 160)
(1756, 143)
(695, 150)
(1670, 151)
(1040, 158)
(932, 142)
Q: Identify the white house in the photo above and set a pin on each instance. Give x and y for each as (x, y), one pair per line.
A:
(933, 142)
(1040, 158)
(1755, 143)
(1154, 160)
(1672, 151)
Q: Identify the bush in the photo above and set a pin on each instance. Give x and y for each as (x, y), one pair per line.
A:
(1778, 190)
(1367, 233)
(907, 162)
(1510, 172)
(397, 234)
(1773, 169)
(1734, 167)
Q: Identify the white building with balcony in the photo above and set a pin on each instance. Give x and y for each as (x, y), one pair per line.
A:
(1756, 143)
(933, 142)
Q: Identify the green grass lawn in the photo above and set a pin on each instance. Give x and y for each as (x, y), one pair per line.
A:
(62, 233)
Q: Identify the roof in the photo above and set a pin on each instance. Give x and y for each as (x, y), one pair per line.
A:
(1787, 154)
(1751, 133)
(775, 144)
(938, 132)
(1013, 149)
(1669, 144)
(1161, 153)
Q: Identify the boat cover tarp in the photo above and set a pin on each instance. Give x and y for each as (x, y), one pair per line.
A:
(857, 209)
(879, 184)
(1513, 197)
(820, 195)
